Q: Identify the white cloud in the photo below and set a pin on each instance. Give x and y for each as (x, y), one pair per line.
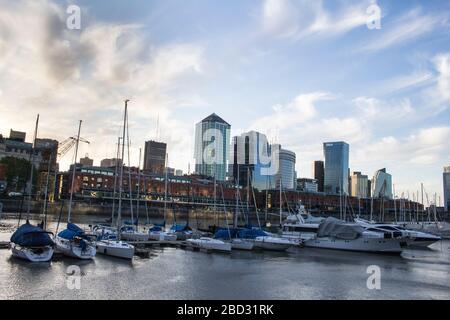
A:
(410, 26)
(299, 111)
(67, 75)
(301, 19)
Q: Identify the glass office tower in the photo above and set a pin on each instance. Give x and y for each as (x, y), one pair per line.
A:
(336, 156)
(212, 140)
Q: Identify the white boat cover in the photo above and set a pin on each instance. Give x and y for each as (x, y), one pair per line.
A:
(332, 227)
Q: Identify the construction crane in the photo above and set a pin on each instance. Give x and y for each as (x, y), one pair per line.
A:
(67, 144)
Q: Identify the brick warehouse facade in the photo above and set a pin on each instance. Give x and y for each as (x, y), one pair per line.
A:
(96, 183)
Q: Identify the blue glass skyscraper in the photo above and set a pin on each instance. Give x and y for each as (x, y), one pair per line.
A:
(336, 167)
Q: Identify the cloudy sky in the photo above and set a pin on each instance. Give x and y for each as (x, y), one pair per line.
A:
(302, 72)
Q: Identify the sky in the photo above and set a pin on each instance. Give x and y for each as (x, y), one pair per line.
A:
(301, 72)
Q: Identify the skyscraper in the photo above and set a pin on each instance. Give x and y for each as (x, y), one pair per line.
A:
(250, 155)
(155, 156)
(319, 174)
(336, 156)
(446, 176)
(286, 169)
(382, 184)
(212, 140)
(359, 185)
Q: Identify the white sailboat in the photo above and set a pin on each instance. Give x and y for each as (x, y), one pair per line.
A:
(30, 242)
(158, 233)
(272, 242)
(73, 241)
(109, 242)
(210, 244)
(130, 232)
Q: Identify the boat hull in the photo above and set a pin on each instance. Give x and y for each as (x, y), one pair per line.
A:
(114, 248)
(238, 244)
(374, 245)
(267, 243)
(134, 236)
(71, 249)
(41, 254)
(210, 245)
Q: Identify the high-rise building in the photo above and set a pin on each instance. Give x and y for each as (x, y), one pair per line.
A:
(212, 141)
(446, 176)
(307, 185)
(359, 185)
(48, 149)
(155, 156)
(336, 167)
(110, 163)
(178, 172)
(319, 174)
(251, 159)
(286, 169)
(382, 184)
(86, 161)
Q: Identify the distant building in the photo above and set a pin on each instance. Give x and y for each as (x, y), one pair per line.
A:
(286, 169)
(319, 174)
(212, 141)
(359, 185)
(170, 171)
(155, 157)
(17, 135)
(382, 184)
(446, 176)
(336, 167)
(308, 185)
(110, 163)
(178, 172)
(87, 162)
(250, 154)
(16, 148)
(48, 148)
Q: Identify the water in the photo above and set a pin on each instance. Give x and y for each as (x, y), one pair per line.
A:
(180, 274)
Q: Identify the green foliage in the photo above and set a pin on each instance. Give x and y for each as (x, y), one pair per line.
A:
(17, 173)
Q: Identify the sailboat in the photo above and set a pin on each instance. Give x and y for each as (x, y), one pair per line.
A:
(210, 243)
(157, 232)
(272, 242)
(73, 241)
(130, 232)
(109, 242)
(30, 242)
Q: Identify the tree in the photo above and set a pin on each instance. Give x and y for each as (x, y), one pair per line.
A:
(17, 173)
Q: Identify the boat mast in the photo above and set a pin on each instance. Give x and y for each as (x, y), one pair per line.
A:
(130, 188)
(139, 189)
(115, 180)
(44, 210)
(395, 204)
(237, 200)
(165, 187)
(280, 201)
(119, 212)
(30, 187)
(73, 171)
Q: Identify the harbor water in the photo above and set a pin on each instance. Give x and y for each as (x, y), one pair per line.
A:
(171, 273)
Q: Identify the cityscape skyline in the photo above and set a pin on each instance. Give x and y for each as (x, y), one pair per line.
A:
(392, 111)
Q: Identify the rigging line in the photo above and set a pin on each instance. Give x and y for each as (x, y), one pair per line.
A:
(225, 212)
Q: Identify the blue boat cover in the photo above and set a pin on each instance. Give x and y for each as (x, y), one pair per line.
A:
(71, 232)
(129, 223)
(155, 228)
(251, 233)
(28, 235)
(226, 234)
(179, 227)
